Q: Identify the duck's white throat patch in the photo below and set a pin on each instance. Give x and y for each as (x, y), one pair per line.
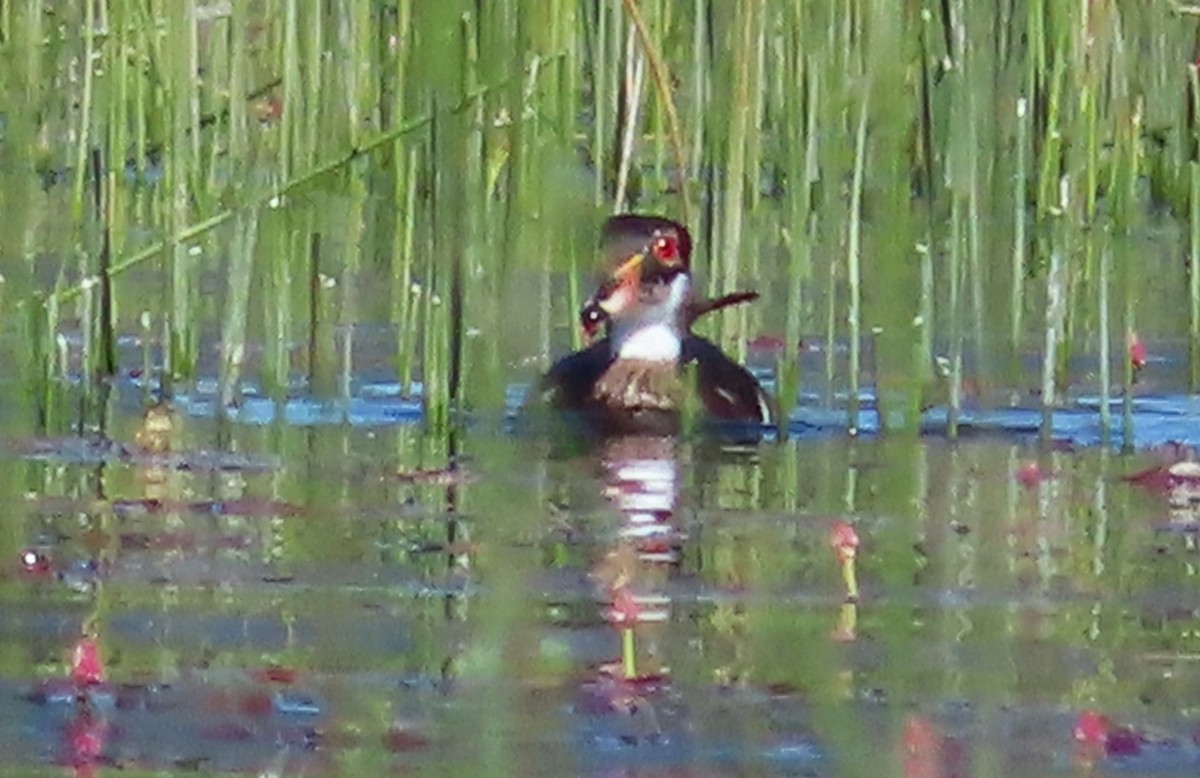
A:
(657, 342)
(654, 333)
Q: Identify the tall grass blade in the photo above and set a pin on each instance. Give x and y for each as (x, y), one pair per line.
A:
(853, 259)
(237, 309)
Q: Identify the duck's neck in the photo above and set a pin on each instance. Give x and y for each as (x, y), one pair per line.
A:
(653, 330)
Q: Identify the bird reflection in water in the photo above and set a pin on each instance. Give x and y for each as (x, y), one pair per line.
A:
(642, 482)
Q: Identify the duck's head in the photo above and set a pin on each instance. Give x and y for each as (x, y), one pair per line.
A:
(664, 245)
(636, 250)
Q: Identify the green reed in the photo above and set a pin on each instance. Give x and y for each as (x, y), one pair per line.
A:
(106, 340)
(1105, 338)
(181, 351)
(926, 162)
(84, 132)
(275, 280)
(1194, 279)
(831, 330)
(145, 343)
(954, 367)
(1072, 115)
(322, 358)
(115, 94)
(1193, 168)
(1128, 258)
(854, 258)
(798, 238)
(959, 166)
(1056, 312)
(39, 331)
(1019, 241)
(237, 307)
(403, 291)
(630, 114)
(733, 202)
(296, 106)
(975, 263)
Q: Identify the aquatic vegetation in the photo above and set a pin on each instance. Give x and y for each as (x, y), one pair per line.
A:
(340, 239)
(870, 169)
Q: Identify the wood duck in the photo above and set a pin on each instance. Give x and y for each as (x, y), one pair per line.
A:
(632, 376)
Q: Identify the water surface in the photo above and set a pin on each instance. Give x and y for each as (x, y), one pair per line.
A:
(313, 593)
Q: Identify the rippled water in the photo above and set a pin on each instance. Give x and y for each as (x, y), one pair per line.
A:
(309, 590)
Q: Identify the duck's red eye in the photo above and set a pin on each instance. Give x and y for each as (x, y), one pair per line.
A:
(666, 249)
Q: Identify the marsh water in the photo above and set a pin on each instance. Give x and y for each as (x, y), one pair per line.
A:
(276, 280)
(305, 589)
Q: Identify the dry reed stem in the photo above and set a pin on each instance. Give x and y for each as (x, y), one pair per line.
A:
(662, 82)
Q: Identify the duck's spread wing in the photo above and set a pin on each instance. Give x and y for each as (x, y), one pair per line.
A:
(569, 381)
(728, 390)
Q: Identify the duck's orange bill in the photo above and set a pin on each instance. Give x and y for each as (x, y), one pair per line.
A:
(632, 266)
